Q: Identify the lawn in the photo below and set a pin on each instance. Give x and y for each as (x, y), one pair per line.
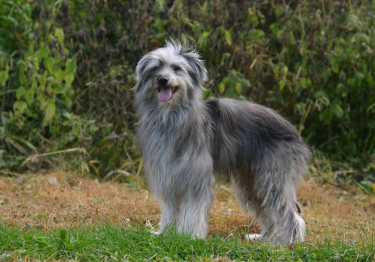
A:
(60, 216)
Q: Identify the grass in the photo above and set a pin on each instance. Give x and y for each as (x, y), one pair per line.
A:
(122, 242)
(74, 218)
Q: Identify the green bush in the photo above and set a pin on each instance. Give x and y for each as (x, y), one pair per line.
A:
(37, 88)
(311, 60)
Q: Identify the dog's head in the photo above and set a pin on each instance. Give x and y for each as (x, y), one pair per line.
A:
(170, 74)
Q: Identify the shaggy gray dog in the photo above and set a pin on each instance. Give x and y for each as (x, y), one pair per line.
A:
(187, 141)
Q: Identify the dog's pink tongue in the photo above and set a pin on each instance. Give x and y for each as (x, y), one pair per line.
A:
(165, 94)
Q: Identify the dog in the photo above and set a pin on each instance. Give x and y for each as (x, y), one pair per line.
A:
(188, 142)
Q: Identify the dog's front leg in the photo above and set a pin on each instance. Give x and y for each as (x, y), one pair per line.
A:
(194, 215)
(168, 217)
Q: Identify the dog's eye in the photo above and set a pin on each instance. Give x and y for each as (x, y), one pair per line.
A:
(176, 68)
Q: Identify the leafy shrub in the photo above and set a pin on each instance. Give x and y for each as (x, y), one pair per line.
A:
(40, 81)
(311, 60)
(45, 92)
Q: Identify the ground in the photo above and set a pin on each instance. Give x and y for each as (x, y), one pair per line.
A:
(61, 199)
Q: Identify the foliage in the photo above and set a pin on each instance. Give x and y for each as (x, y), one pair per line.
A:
(41, 79)
(45, 91)
(310, 60)
(134, 243)
(15, 18)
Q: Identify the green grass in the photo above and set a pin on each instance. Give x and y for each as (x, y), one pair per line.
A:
(124, 243)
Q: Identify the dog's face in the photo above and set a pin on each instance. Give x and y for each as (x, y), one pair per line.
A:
(170, 74)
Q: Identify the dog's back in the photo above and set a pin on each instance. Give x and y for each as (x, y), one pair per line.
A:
(247, 134)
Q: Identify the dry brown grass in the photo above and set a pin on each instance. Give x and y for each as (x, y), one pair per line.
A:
(328, 211)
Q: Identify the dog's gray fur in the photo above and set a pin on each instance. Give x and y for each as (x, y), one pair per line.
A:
(186, 140)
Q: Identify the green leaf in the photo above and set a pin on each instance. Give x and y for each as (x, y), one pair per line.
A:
(70, 67)
(202, 37)
(205, 94)
(238, 88)
(49, 62)
(245, 81)
(275, 30)
(42, 53)
(35, 26)
(28, 54)
(41, 98)
(58, 74)
(66, 115)
(65, 51)
(20, 92)
(19, 107)
(49, 112)
(75, 129)
(337, 110)
(43, 79)
(277, 68)
(228, 37)
(244, 98)
(21, 76)
(59, 33)
(285, 71)
(282, 84)
(4, 75)
(335, 66)
(49, 88)
(277, 12)
(69, 78)
(29, 96)
(369, 80)
(221, 87)
(58, 89)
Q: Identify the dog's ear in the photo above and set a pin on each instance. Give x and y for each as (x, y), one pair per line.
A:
(138, 85)
(139, 70)
(199, 74)
(141, 66)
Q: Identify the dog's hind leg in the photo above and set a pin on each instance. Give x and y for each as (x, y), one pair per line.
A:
(194, 215)
(242, 189)
(274, 207)
(281, 227)
(293, 228)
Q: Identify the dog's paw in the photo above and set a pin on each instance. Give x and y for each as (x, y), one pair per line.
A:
(252, 237)
(156, 232)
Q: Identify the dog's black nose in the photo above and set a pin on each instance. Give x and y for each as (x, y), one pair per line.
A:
(163, 81)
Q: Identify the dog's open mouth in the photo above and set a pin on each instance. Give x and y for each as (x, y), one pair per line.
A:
(165, 94)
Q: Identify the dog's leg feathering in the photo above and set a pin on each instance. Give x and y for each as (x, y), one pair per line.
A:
(194, 216)
(168, 217)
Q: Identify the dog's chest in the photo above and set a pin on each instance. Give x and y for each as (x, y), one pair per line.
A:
(158, 142)
(163, 165)
(166, 147)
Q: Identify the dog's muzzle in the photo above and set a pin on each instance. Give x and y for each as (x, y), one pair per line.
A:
(166, 92)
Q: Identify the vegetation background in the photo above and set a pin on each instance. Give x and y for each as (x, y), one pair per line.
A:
(66, 69)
